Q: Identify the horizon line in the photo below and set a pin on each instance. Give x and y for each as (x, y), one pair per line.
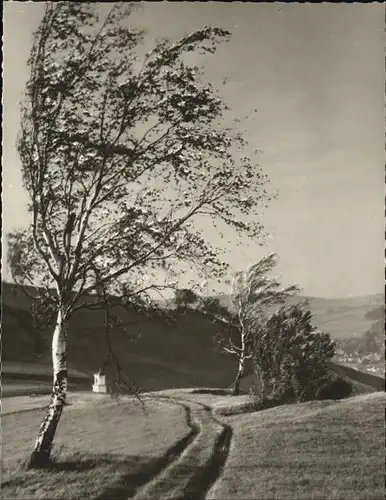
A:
(374, 294)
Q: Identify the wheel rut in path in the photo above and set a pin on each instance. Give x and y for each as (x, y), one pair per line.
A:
(132, 482)
(197, 468)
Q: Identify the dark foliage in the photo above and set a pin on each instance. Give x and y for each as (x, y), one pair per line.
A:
(184, 298)
(291, 356)
(334, 387)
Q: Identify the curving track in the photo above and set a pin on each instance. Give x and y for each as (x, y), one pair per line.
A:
(196, 467)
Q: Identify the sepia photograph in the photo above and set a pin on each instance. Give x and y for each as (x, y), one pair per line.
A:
(193, 263)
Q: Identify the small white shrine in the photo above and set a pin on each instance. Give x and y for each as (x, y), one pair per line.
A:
(99, 382)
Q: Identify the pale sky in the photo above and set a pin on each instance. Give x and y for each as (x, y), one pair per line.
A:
(315, 73)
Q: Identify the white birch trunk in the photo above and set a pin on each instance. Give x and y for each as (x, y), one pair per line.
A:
(240, 371)
(41, 454)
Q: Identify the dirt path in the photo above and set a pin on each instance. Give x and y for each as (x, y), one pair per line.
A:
(194, 469)
(127, 488)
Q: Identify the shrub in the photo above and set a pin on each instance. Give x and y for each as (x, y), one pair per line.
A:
(291, 356)
(334, 387)
(184, 297)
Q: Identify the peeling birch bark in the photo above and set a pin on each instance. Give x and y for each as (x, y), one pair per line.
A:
(40, 456)
(240, 372)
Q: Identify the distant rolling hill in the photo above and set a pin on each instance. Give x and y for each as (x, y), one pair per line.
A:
(348, 317)
(180, 354)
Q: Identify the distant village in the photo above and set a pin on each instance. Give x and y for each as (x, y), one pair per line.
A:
(372, 362)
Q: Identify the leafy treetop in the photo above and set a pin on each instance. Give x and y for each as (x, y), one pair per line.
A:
(119, 154)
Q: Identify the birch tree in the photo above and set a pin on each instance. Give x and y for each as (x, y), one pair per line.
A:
(120, 153)
(253, 293)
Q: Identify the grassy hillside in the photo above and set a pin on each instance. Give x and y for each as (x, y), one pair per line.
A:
(314, 450)
(114, 449)
(97, 446)
(179, 354)
(341, 318)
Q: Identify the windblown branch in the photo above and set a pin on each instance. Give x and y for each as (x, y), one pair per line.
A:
(122, 381)
(95, 129)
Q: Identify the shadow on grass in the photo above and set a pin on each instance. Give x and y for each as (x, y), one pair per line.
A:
(213, 392)
(128, 485)
(74, 466)
(140, 473)
(112, 476)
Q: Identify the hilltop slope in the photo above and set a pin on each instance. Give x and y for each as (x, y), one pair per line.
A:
(179, 354)
(340, 318)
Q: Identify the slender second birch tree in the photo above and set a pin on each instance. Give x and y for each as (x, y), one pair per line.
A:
(120, 153)
(253, 293)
